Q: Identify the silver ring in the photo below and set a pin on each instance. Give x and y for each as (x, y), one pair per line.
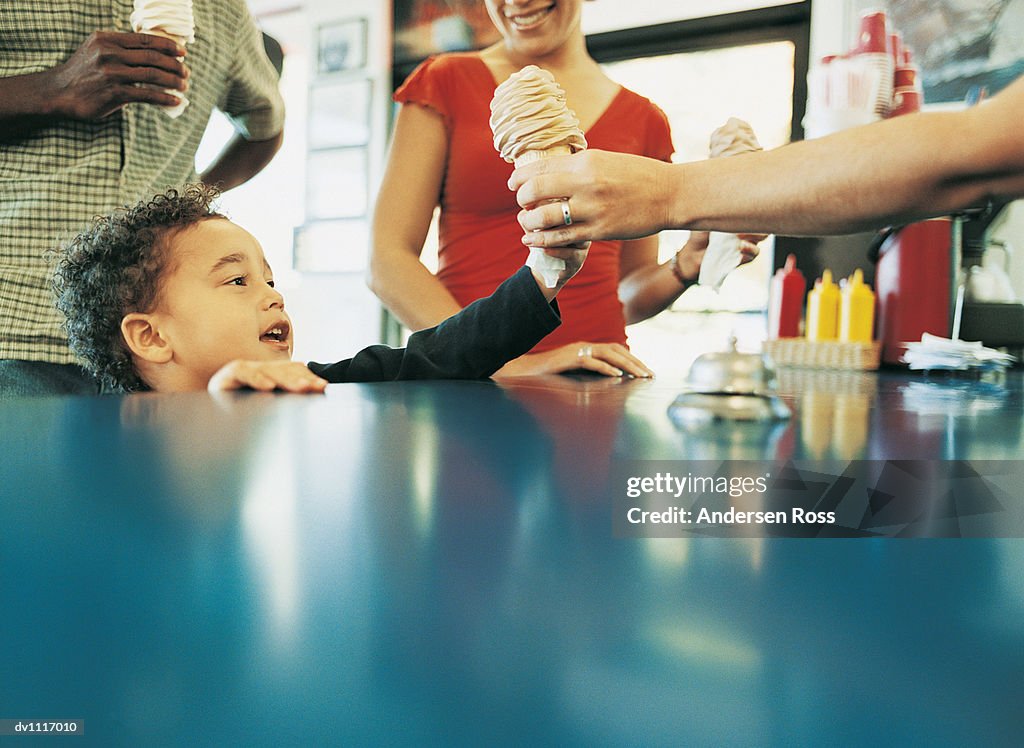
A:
(585, 351)
(566, 215)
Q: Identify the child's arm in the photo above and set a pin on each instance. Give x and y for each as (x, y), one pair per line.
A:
(472, 344)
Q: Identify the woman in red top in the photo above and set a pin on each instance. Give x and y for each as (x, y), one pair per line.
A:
(442, 153)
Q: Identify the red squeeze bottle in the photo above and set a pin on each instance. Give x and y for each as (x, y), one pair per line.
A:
(787, 301)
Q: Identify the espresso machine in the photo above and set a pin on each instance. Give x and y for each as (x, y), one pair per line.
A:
(992, 312)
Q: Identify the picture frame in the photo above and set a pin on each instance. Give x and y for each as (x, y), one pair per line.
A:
(339, 114)
(333, 246)
(341, 46)
(337, 183)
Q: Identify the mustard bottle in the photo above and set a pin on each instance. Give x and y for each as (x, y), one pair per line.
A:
(823, 309)
(857, 311)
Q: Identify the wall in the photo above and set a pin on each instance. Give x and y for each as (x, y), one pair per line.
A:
(344, 315)
(334, 313)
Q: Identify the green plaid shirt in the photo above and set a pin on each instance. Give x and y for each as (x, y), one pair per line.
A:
(57, 179)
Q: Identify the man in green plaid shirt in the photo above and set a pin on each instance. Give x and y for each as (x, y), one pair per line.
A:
(79, 136)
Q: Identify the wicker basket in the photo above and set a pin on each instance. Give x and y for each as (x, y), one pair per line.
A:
(824, 354)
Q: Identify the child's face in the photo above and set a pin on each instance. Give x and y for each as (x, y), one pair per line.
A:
(217, 303)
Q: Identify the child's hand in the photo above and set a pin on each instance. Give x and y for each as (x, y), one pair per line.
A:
(574, 256)
(290, 376)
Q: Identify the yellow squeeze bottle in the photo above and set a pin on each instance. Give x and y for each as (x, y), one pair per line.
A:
(857, 315)
(823, 309)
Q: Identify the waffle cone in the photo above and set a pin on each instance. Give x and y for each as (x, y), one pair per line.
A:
(160, 32)
(528, 157)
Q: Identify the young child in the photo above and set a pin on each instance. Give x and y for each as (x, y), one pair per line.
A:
(169, 295)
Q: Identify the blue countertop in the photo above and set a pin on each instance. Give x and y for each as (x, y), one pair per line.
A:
(435, 564)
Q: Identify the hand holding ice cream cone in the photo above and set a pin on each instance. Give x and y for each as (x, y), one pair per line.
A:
(530, 121)
(171, 19)
(725, 252)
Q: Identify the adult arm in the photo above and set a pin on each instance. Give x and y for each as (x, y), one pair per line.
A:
(253, 104)
(405, 206)
(647, 287)
(97, 79)
(241, 160)
(909, 167)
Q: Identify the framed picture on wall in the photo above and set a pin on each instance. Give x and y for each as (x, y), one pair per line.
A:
(337, 183)
(336, 246)
(341, 46)
(339, 114)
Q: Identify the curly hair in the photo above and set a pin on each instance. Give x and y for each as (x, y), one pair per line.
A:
(115, 268)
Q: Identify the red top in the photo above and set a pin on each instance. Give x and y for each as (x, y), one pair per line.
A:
(479, 237)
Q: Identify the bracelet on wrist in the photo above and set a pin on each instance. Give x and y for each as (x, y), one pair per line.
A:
(678, 272)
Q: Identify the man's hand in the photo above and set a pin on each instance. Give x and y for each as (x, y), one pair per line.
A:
(611, 196)
(101, 75)
(290, 376)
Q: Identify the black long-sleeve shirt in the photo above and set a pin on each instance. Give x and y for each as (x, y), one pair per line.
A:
(472, 344)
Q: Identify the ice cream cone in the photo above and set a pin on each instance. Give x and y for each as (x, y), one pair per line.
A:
(549, 267)
(723, 253)
(530, 122)
(159, 17)
(528, 157)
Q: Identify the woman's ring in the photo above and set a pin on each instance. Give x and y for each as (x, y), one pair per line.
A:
(566, 215)
(585, 351)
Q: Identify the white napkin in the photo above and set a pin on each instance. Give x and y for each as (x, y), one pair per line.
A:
(550, 268)
(933, 352)
(723, 253)
(720, 258)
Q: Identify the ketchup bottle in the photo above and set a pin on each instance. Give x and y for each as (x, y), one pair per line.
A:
(787, 301)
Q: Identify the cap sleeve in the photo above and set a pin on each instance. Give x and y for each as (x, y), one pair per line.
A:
(427, 86)
(659, 135)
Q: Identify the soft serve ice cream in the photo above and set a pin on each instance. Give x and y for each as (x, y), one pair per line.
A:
(723, 253)
(172, 19)
(530, 121)
(732, 138)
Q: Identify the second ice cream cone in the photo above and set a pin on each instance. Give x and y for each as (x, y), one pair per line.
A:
(171, 19)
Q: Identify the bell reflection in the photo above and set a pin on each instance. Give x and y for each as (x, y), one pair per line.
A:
(735, 440)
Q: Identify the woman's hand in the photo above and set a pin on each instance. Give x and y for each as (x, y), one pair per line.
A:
(610, 359)
(290, 376)
(692, 253)
(749, 246)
